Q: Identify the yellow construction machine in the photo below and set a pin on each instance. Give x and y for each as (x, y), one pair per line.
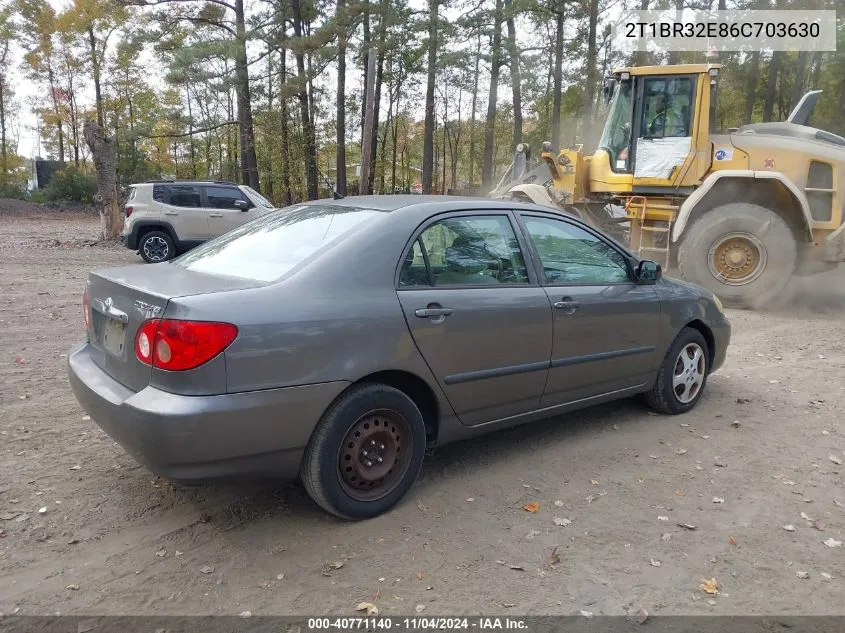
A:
(739, 213)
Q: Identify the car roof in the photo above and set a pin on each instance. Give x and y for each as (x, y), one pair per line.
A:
(187, 182)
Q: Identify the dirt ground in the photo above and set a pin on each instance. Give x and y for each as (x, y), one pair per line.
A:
(84, 530)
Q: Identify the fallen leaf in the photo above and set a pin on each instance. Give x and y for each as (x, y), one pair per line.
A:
(805, 517)
(595, 482)
(76, 467)
(558, 503)
(161, 553)
(789, 528)
(681, 451)
(516, 567)
(419, 575)
(369, 607)
(731, 540)
(680, 493)
(655, 456)
(42, 510)
(531, 506)
(735, 424)
(654, 563)
(531, 534)
(554, 557)
(826, 576)
(280, 576)
(586, 614)
(662, 518)
(819, 525)
(718, 500)
(206, 569)
(641, 616)
(838, 503)
(73, 587)
(590, 499)
(562, 522)
(684, 425)
(774, 382)
(666, 537)
(832, 542)
(803, 575)
(709, 586)
(508, 605)
(835, 459)
(471, 499)
(419, 608)
(86, 418)
(687, 526)
(245, 614)
(704, 437)
(717, 461)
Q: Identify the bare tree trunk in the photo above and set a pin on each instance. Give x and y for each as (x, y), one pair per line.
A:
(674, 57)
(106, 200)
(516, 81)
(341, 100)
(57, 112)
(4, 164)
(249, 160)
(95, 71)
(284, 116)
(817, 70)
(800, 78)
(428, 134)
(490, 125)
(382, 36)
(590, 74)
(305, 115)
(771, 86)
(558, 81)
(751, 88)
(474, 104)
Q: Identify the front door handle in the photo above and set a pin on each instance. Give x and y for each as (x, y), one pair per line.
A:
(567, 304)
(427, 313)
(215, 215)
(171, 213)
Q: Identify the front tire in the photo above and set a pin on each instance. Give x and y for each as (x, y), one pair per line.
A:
(743, 253)
(682, 376)
(156, 247)
(365, 453)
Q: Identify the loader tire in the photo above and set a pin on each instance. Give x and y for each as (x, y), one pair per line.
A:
(743, 253)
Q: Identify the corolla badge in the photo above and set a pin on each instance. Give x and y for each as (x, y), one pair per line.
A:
(148, 309)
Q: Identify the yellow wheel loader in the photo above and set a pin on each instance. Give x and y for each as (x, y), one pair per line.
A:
(739, 213)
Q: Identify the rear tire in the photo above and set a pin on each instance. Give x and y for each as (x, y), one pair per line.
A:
(743, 253)
(156, 247)
(682, 376)
(365, 453)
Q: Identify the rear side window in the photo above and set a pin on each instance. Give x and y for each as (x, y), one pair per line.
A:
(223, 197)
(185, 196)
(159, 192)
(269, 247)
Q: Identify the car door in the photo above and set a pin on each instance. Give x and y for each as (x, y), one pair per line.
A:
(606, 327)
(228, 208)
(183, 210)
(477, 314)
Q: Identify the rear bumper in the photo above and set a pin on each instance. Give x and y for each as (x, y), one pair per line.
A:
(194, 439)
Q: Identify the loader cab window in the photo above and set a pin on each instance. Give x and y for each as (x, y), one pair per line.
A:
(667, 107)
(616, 137)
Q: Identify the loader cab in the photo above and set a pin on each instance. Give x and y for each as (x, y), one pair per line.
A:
(657, 126)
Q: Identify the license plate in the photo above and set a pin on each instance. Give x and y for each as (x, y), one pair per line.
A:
(114, 336)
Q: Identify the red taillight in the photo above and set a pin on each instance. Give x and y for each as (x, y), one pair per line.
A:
(86, 308)
(129, 211)
(180, 345)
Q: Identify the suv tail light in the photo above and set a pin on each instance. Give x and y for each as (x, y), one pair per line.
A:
(86, 308)
(129, 211)
(181, 345)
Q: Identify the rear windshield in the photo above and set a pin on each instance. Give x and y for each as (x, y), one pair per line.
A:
(270, 246)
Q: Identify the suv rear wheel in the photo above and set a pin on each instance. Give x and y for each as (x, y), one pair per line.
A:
(156, 246)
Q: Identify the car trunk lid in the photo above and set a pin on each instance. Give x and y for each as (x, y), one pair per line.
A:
(121, 299)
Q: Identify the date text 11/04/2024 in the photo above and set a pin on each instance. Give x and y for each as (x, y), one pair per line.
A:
(416, 624)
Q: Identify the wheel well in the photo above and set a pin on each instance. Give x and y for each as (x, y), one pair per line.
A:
(417, 390)
(769, 193)
(143, 230)
(707, 333)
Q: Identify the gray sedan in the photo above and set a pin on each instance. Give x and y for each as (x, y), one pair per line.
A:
(342, 341)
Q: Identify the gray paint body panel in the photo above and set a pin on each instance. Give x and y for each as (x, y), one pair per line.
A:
(504, 357)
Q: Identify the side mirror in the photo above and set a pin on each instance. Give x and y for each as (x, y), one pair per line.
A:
(243, 205)
(648, 272)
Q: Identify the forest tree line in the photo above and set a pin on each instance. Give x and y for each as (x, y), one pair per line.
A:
(270, 93)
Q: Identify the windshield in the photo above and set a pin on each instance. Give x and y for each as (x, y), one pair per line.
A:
(270, 246)
(617, 130)
(257, 198)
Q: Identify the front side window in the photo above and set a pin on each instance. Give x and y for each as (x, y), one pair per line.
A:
(223, 197)
(616, 137)
(571, 255)
(468, 251)
(667, 106)
(269, 247)
(185, 196)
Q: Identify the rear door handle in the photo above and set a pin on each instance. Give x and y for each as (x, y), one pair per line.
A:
(567, 304)
(215, 215)
(427, 313)
(171, 213)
